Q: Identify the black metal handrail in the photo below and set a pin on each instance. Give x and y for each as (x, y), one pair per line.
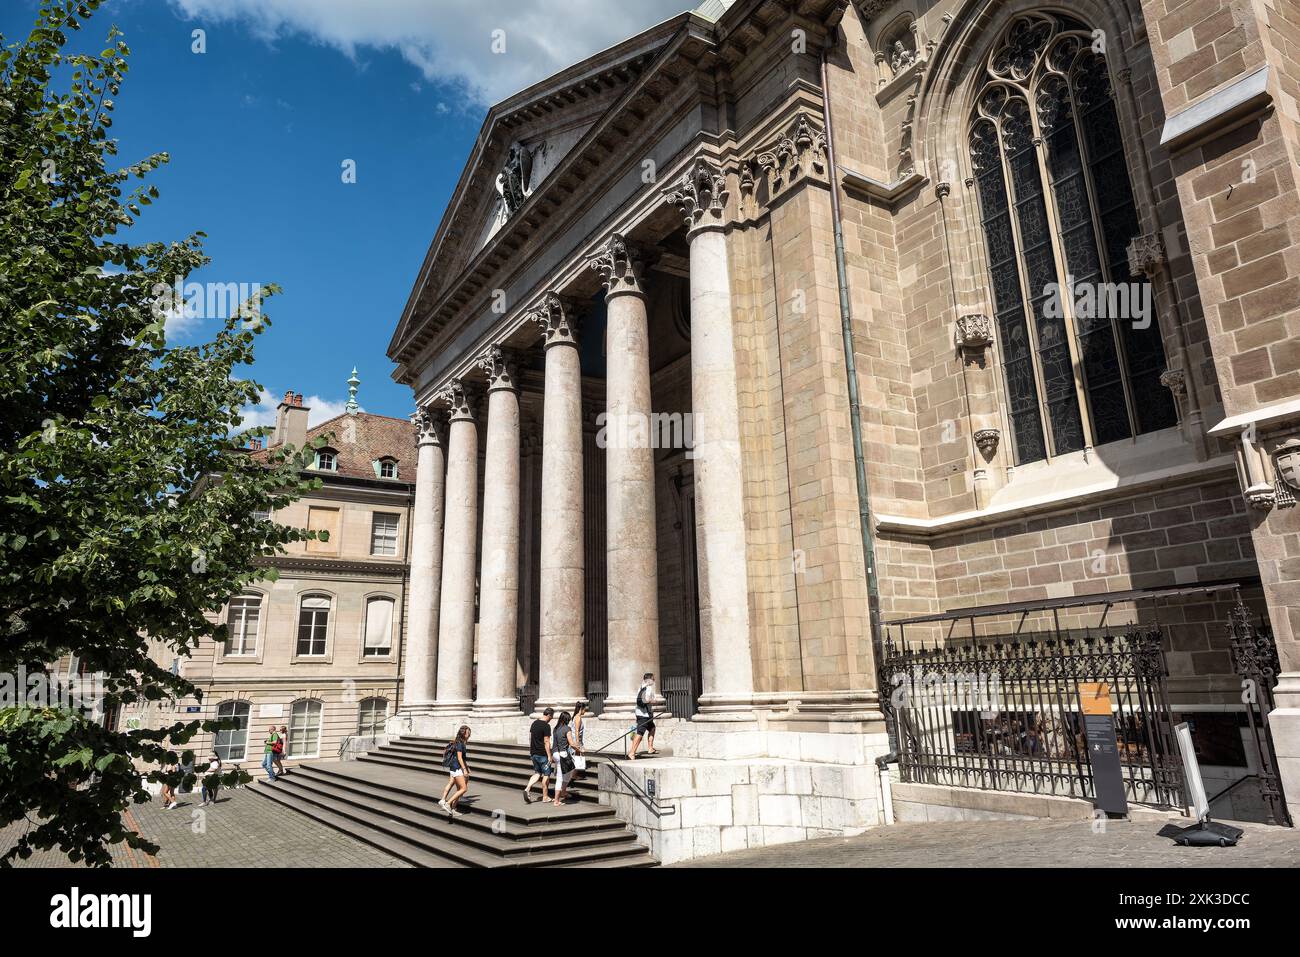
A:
(652, 805)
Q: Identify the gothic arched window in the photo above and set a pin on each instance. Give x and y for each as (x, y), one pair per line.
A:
(1081, 348)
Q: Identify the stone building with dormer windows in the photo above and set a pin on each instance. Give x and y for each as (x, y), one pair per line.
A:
(971, 306)
(319, 649)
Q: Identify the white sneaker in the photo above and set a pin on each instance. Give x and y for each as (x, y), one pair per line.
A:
(444, 805)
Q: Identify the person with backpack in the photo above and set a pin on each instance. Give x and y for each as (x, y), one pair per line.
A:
(645, 725)
(453, 759)
(284, 746)
(274, 747)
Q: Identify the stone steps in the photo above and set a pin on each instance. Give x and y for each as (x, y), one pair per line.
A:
(395, 809)
(507, 765)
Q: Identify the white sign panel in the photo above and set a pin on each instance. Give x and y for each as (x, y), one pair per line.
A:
(270, 711)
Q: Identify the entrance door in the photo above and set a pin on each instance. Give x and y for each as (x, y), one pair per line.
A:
(683, 690)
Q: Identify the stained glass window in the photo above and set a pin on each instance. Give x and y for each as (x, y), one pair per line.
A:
(1081, 350)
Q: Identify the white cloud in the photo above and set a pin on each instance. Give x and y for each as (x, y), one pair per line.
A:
(451, 40)
(263, 413)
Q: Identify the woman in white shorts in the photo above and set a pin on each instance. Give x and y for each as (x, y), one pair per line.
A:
(457, 772)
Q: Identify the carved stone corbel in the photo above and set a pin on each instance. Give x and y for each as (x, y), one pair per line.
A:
(974, 333)
(1252, 471)
(986, 440)
(1146, 254)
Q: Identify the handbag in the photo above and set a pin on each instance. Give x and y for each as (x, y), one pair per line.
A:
(580, 762)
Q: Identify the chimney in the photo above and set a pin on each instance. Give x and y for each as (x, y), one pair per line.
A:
(291, 421)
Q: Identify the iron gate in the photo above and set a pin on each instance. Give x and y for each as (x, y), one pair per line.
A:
(1004, 715)
(1255, 660)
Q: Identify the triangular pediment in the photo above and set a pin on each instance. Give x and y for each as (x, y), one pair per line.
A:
(528, 161)
(524, 140)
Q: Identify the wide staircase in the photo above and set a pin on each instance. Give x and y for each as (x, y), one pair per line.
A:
(388, 798)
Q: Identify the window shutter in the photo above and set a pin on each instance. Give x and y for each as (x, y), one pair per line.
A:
(379, 623)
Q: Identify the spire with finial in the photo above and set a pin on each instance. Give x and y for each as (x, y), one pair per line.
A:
(352, 407)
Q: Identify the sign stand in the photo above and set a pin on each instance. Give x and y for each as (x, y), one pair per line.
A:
(1103, 750)
(1204, 833)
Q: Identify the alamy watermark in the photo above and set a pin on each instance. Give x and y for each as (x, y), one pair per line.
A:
(207, 300)
(44, 689)
(656, 430)
(1127, 301)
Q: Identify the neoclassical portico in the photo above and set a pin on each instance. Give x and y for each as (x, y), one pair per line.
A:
(469, 570)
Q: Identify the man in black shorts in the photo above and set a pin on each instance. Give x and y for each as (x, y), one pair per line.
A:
(645, 725)
(539, 736)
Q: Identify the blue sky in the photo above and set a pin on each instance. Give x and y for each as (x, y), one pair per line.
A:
(258, 128)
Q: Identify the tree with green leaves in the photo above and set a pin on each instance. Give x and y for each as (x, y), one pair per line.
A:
(127, 505)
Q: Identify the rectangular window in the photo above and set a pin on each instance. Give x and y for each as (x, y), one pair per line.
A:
(242, 622)
(323, 520)
(313, 622)
(383, 534)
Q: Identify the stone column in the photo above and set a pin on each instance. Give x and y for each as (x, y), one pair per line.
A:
(499, 576)
(560, 645)
(719, 488)
(426, 564)
(632, 556)
(456, 616)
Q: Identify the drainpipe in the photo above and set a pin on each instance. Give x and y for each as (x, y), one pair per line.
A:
(850, 368)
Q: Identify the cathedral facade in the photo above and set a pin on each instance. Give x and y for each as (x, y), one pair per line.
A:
(790, 332)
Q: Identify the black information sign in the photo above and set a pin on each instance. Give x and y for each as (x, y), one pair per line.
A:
(1103, 751)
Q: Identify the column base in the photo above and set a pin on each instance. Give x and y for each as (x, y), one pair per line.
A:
(1284, 727)
(563, 704)
(416, 707)
(451, 707)
(496, 708)
(726, 707)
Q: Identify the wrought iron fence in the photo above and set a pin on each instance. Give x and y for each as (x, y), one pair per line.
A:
(1255, 660)
(527, 698)
(679, 693)
(1004, 714)
(597, 691)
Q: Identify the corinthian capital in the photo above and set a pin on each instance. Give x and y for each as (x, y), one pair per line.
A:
(429, 425)
(460, 398)
(701, 194)
(501, 367)
(619, 265)
(558, 320)
(795, 155)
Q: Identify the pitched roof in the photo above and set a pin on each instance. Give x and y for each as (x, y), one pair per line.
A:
(365, 439)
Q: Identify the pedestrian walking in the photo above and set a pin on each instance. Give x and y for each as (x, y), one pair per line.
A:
(645, 726)
(284, 746)
(579, 731)
(168, 796)
(274, 746)
(454, 760)
(539, 736)
(563, 746)
(211, 780)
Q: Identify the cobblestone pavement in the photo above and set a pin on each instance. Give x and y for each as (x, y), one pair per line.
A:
(241, 830)
(1019, 844)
